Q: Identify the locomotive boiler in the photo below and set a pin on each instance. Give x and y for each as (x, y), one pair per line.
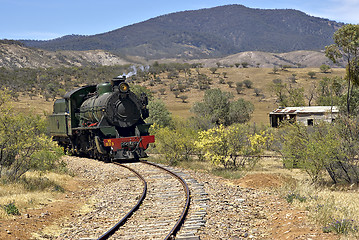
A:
(104, 121)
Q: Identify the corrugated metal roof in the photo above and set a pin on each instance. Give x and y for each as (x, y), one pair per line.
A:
(311, 109)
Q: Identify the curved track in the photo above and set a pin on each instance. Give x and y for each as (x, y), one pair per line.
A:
(186, 207)
(160, 210)
(112, 230)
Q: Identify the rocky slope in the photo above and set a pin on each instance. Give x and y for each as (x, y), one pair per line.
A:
(265, 59)
(17, 56)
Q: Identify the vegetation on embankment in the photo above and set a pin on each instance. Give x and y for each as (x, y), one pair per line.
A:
(26, 154)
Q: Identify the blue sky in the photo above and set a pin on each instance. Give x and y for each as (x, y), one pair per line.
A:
(46, 19)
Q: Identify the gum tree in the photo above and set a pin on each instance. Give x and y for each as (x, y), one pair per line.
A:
(346, 48)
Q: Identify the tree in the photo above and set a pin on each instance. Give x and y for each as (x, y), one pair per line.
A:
(213, 70)
(138, 90)
(311, 92)
(162, 91)
(257, 91)
(230, 84)
(324, 68)
(296, 97)
(287, 95)
(275, 70)
(177, 143)
(176, 93)
(278, 88)
(293, 78)
(244, 64)
(311, 149)
(323, 147)
(330, 91)
(311, 74)
(159, 114)
(217, 107)
(346, 47)
(183, 98)
(240, 111)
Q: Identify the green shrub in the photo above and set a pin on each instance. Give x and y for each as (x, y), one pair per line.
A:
(11, 209)
(310, 149)
(23, 143)
(341, 226)
(159, 114)
(248, 83)
(291, 196)
(177, 143)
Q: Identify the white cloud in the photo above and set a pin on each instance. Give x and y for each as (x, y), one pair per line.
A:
(342, 10)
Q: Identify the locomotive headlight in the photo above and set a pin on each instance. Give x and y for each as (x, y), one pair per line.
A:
(123, 87)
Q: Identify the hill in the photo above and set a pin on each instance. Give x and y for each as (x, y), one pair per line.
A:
(14, 55)
(207, 33)
(300, 58)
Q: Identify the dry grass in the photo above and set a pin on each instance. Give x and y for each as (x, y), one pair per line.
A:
(36, 105)
(261, 78)
(328, 206)
(23, 198)
(324, 203)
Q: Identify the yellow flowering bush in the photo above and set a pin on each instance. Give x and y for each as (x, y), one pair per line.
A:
(233, 146)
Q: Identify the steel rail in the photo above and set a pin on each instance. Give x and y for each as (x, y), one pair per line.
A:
(112, 230)
(179, 222)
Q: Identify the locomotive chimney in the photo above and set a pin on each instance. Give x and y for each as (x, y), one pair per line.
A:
(117, 80)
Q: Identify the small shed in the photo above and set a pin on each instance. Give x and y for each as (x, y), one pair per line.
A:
(305, 115)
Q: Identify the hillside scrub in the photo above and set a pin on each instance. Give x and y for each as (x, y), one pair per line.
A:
(23, 143)
(330, 148)
(311, 149)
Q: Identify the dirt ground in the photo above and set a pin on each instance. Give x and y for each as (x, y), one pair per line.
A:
(34, 220)
(285, 222)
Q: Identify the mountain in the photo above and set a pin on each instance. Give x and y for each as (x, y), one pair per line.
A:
(14, 55)
(204, 33)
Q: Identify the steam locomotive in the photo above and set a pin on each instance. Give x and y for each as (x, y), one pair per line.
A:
(104, 121)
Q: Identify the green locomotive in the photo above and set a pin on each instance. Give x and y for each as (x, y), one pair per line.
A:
(104, 121)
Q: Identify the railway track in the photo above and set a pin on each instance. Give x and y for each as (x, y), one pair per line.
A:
(161, 209)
